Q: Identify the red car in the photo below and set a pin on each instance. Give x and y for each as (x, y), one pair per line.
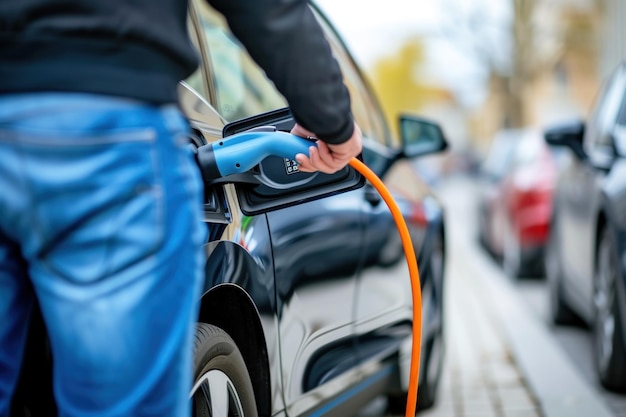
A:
(519, 177)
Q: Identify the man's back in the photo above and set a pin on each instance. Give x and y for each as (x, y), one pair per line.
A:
(137, 49)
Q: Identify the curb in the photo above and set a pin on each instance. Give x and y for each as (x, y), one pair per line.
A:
(556, 384)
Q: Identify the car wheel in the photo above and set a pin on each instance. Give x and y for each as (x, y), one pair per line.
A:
(222, 385)
(427, 390)
(482, 230)
(427, 393)
(512, 257)
(610, 352)
(433, 350)
(560, 312)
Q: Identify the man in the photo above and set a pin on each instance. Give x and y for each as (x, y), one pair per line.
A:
(100, 201)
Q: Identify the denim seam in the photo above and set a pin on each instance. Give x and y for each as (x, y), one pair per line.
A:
(140, 135)
(34, 221)
(67, 101)
(157, 190)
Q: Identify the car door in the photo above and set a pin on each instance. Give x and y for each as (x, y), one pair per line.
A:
(581, 187)
(316, 246)
(383, 292)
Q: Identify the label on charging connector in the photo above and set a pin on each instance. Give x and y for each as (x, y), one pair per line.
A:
(291, 166)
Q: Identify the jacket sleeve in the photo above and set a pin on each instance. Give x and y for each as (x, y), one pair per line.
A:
(285, 39)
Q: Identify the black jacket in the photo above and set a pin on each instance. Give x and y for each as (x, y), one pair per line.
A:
(140, 49)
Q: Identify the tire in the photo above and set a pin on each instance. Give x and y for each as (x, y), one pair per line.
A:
(427, 393)
(609, 349)
(427, 390)
(219, 368)
(512, 257)
(560, 312)
(433, 349)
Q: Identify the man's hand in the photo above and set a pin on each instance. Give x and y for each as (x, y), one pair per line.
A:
(328, 158)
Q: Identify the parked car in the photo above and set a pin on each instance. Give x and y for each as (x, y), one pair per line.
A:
(587, 246)
(519, 176)
(306, 307)
(490, 174)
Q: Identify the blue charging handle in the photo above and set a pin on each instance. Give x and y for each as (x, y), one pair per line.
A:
(241, 152)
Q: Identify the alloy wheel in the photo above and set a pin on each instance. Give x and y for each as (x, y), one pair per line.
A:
(604, 300)
(214, 395)
(512, 255)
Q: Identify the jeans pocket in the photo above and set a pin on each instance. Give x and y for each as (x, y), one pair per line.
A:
(191, 178)
(97, 203)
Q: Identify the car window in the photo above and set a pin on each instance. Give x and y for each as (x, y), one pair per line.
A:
(528, 150)
(500, 154)
(621, 116)
(241, 87)
(364, 108)
(593, 126)
(243, 90)
(605, 112)
(196, 80)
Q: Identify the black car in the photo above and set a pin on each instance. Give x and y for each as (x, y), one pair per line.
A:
(306, 308)
(585, 260)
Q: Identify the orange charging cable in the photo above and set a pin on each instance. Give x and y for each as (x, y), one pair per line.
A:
(416, 290)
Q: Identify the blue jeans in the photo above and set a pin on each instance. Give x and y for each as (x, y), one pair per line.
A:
(100, 223)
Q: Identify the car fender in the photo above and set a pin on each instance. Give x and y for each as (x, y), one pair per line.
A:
(621, 288)
(435, 217)
(233, 299)
(619, 236)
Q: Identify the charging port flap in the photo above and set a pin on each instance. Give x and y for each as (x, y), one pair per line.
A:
(280, 183)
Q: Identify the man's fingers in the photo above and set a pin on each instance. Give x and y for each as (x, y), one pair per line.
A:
(305, 163)
(328, 158)
(322, 159)
(314, 162)
(319, 159)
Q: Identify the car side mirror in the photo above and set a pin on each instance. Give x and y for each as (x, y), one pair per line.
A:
(569, 135)
(420, 136)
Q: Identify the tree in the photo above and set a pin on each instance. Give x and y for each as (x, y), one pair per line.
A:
(516, 53)
(397, 83)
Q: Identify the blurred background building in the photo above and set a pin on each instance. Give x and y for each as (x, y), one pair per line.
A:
(612, 35)
(551, 72)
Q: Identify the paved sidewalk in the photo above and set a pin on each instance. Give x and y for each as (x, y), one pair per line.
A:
(481, 377)
(500, 360)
